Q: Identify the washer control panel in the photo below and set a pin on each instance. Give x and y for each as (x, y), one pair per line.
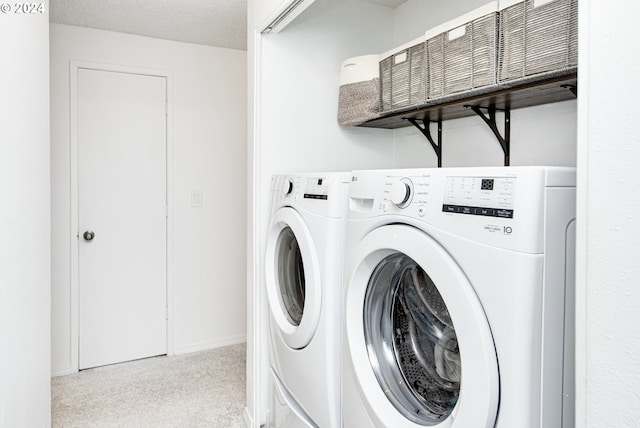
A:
(489, 196)
(484, 196)
(500, 206)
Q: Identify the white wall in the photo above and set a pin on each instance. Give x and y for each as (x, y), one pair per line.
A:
(414, 17)
(608, 296)
(209, 155)
(24, 221)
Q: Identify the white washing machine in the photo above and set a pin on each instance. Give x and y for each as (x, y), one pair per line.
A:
(303, 267)
(459, 298)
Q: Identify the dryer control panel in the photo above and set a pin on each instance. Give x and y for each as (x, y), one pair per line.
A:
(324, 194)
(316, 188)
(306, 187)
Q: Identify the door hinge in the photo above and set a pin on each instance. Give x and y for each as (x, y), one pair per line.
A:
(166, 211)
(166, 107)
(166, 313)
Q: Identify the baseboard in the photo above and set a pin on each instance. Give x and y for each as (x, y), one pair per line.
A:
(209, 344)
(248, 420)
(57, 371)
(183, 349)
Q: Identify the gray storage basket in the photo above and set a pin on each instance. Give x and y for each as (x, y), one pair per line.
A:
(463, 63)
(538, 39)
(358, 102)
(359, 94)
(402, 77)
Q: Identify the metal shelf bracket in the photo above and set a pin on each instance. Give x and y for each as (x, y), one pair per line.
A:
(505, 141)
(572, 88)
(425, 129)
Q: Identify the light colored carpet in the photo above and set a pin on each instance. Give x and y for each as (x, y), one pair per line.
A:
(202, 389)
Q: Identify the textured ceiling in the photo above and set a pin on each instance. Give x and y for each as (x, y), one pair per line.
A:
(221, 23)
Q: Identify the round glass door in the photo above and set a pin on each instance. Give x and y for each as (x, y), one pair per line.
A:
(420, 345)
(292, 278)
(411, 340)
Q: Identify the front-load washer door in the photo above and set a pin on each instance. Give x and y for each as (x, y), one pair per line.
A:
(292, 278)
(420, 343)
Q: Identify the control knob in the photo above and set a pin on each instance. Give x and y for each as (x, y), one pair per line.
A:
(402, 192)
(287, 187)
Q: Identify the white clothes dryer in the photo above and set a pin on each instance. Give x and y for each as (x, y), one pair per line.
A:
(303, 277)
(459, 298)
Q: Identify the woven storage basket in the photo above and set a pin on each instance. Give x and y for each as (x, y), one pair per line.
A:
(461, 54)
(402, 76)
(359, 94)
(537, 36)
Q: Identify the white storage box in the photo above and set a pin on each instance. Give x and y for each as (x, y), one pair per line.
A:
(537, 36)
(402, 76)
(462, 53)
(359, 95)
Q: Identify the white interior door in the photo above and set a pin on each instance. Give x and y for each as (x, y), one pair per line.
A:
(122, 202)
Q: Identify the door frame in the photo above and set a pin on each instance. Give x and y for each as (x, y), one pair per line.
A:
(74, 68)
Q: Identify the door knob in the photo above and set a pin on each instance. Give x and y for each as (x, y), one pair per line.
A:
(88, 235)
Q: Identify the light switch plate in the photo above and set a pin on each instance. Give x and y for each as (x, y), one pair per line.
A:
(196, 199)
